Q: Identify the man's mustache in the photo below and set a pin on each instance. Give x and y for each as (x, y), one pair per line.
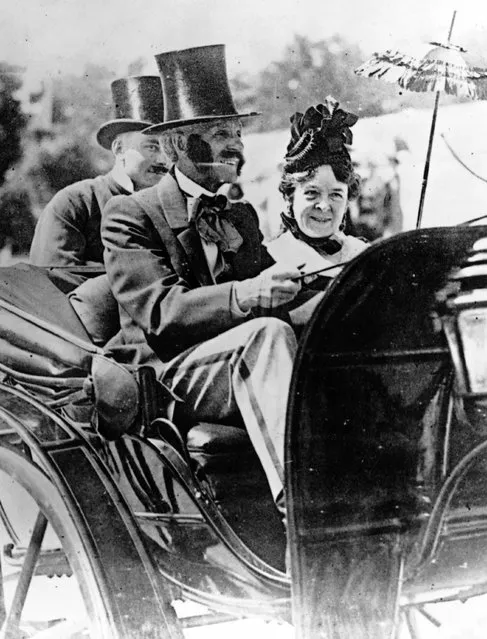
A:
(201, 154)
(227, 156)
(160, 169)
(234, 154)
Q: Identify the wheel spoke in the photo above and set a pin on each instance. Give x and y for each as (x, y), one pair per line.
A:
(27, 572)
(58, 533)
(3, 609)
(411, 623)
(429, 617)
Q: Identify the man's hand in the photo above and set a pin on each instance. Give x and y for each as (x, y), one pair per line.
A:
(273, 287)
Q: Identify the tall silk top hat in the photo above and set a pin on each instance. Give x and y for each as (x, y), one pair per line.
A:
(195, 87)
(138, 103)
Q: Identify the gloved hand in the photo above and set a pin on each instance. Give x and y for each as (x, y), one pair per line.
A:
(273, 287)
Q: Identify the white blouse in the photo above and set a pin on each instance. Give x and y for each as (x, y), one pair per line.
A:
(292, 252)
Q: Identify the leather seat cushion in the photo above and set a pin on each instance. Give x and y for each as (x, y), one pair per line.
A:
(221, 449)
(217, 438)
(228, 465)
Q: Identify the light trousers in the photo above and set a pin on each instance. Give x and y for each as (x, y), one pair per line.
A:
(245, 370)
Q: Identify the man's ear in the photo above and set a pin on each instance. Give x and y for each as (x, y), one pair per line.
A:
(117, 146)
(180, 141)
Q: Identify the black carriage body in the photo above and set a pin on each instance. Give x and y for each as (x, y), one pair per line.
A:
(375, 443)
(375, 437)
(125, 480)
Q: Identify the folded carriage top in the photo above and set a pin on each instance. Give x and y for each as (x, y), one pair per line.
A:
(45, 347)
(40, 333)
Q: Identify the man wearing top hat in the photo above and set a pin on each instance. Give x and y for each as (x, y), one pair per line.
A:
(190, 273)
(68, 230)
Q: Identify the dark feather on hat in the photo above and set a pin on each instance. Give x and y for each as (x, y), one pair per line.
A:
(323, 130)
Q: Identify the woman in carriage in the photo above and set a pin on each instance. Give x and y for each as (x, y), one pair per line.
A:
(318, 181)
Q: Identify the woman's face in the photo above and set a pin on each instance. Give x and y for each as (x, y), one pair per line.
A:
(319, 203)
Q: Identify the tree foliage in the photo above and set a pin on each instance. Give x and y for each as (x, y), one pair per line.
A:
(69, 153)
(57, 163)
(309, 71)
(16, 220)
(12, 120)
(51, 159)
(83, 102)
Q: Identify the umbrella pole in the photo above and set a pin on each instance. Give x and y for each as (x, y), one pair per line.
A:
(427, 163)
(430, 143)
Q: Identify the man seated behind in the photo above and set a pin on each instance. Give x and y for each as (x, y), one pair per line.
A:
(68, 230)
(190, 272)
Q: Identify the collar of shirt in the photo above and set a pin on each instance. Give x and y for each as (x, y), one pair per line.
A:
(191, 189)
(212, 255)
(122, 179)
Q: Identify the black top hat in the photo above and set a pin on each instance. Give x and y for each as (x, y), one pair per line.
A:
(138, 103)
(195, 86)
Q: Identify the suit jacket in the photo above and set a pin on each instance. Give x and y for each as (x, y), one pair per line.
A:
(68, 230)
(158, 270)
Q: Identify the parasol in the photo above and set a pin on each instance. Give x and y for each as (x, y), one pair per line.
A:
(441, 70)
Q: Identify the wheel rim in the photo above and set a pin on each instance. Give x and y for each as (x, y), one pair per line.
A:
(45, 535)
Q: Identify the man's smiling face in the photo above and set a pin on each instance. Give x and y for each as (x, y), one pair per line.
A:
(216, 150)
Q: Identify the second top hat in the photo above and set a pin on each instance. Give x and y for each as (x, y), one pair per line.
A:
(195, 87)
(138, 103)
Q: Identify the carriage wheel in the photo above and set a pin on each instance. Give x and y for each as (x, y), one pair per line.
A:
(361, 589)
(47, 548)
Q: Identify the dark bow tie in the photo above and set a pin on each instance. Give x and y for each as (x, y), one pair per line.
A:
(210, 218)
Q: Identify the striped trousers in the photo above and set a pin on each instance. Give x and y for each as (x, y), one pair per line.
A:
(245, 370)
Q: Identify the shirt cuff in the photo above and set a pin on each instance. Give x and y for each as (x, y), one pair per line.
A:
(235, 309)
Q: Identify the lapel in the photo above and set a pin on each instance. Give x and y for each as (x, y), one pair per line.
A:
(174, 207)
(191, 243)
(247, 261)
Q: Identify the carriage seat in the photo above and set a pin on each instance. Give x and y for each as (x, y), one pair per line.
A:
(225, 457)
(230, 469)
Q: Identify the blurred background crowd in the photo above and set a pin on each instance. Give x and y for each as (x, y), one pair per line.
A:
(48, 122)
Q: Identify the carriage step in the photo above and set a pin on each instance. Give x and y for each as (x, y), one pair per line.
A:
(51, 563)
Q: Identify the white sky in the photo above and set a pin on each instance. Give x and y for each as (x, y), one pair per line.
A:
(62, 35)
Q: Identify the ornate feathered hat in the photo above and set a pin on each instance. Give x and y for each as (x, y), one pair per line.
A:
(318, 135)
